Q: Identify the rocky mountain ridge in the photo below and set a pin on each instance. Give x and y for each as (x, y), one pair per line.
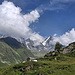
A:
(46, 45)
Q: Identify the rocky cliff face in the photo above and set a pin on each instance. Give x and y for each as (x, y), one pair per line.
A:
(46, 45)
(69, 48)
(68, 51)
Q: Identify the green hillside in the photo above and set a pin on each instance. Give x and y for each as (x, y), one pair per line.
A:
(64, 65)
(12, 52)
(24, 53)
(54, 63)
(8, 55)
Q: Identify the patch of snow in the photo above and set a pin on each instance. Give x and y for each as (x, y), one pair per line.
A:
(44, 43)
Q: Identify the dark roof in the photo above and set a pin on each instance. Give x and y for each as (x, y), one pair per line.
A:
(32, 58)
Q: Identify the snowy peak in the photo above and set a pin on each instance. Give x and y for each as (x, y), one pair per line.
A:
(47, 40)
(46, 45)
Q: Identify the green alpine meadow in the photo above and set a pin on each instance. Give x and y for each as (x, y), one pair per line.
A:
(53, 63)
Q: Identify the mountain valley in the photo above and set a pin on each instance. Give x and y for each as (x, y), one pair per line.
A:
(54, 63)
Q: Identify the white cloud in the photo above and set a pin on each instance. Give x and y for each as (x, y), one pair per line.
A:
(14, 23)
(66, 38)
(55, 5)
(55, 35)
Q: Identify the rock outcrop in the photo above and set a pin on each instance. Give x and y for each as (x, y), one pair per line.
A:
(69, 48)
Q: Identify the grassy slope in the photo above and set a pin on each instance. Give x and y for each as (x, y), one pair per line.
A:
(7, 54)
(12, 55)
(39, 53)
(64, 65)
(21, 50)
(24, 53)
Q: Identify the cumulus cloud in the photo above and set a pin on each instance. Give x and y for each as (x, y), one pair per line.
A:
(14, 23)
(66, 38)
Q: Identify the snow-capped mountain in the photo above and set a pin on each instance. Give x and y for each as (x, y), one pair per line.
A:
(46, 45)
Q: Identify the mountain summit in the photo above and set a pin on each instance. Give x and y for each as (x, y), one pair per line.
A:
(46, 45)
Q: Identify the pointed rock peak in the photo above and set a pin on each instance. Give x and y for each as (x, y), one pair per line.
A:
(47, 40)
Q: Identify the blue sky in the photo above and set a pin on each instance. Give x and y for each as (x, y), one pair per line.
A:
(56, 16)
(55, 21)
